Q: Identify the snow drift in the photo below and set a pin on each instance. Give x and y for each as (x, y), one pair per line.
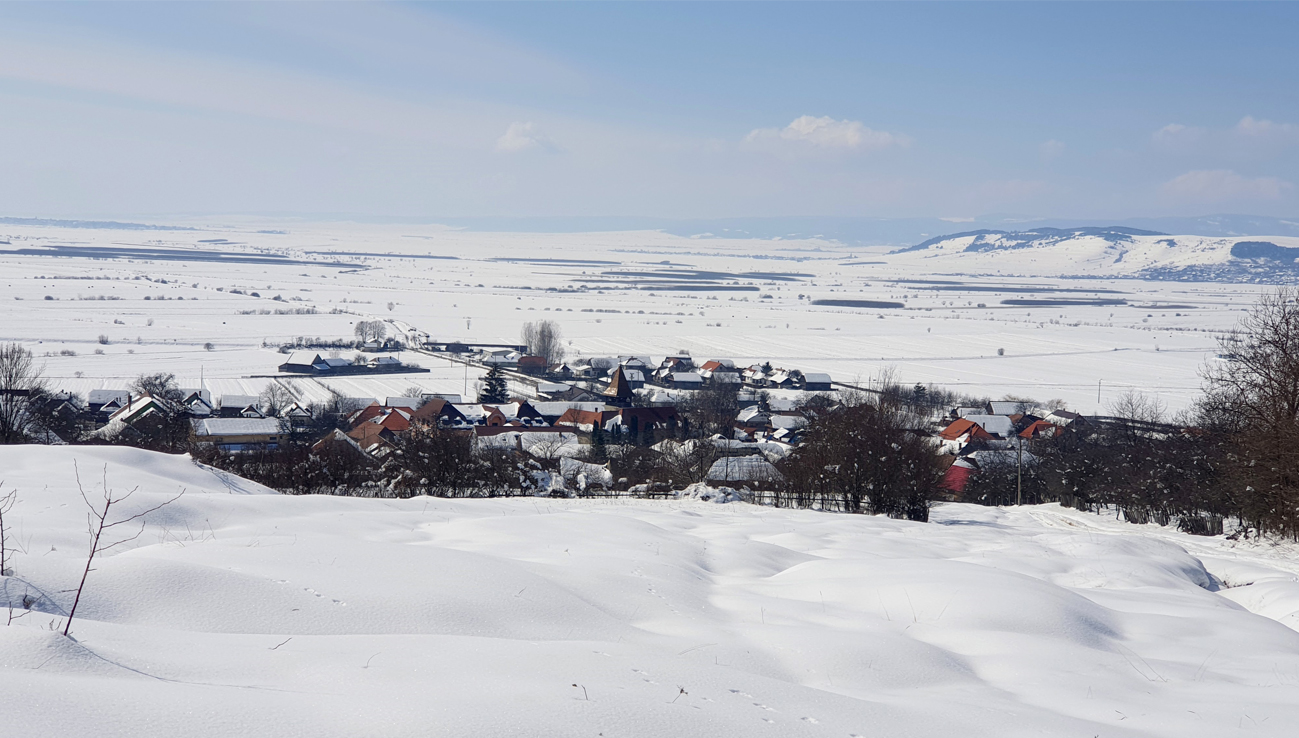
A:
(237, 613)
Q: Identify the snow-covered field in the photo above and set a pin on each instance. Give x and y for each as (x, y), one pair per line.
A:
(168, 293)
(240, 612)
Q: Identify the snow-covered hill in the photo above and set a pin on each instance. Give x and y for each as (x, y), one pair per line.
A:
(269, 615)
(1110, 252)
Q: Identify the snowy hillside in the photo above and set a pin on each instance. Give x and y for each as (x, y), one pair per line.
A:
(1111, 252)
(262, 614)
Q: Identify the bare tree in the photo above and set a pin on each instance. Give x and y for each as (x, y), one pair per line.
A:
(276, 398)
(7, 502)
(1134, 405)
(544, 339)
(21, 386)
(1252, 393)
(161, 385)
(97, 523)
(370, 330)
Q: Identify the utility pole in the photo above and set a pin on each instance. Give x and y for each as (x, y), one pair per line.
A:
(1098, 392)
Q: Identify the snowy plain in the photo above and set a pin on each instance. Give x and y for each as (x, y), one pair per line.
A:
(168, 293)
(243, 612)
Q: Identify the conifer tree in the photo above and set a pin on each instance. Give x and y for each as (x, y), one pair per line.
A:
(494, 388)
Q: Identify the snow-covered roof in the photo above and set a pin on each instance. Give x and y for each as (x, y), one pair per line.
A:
(686, 378)
(996, 424)
(557, 408)
(1007, 407)
(238, 401)
(816, 378)
(304, 358)
(743, 469)
(105, 396)
(410, 402)
(237, 427)
(788, 421)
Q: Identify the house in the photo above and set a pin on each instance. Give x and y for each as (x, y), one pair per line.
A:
(710, 369)
(1064, 418)
(785, 379)
(545, 389)
(561, 371)
(505, 358)
(97, 399)
(1008, 407)
(235, 406)
(304, 362)
(960, 433)
(585, 420)
(236, 435)
(817, 382)
(197, 404)
(678, 363)
(998, 425)
(753, 418)
(408, 403)
(1041, 429)
(533, 365)
(755, 376)
(638, 422)
(551, 412)
(517, 413)
(752, 471)
(686, 381)
(442, 413)
(957, 475)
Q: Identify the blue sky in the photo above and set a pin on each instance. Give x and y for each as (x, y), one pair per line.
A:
(680, 110)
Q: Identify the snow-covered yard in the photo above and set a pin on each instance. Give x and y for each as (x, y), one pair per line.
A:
(239, 613)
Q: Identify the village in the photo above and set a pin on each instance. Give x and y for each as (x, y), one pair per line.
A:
(573, 425)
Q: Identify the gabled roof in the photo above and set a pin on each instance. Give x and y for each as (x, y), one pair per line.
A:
(1007, 407)
(999, 425)
(104, 396)
(816, 378)
(1040, 429)
(237, 427)
(961, 427)
(239, 401)
(410, 403)
(303, 358)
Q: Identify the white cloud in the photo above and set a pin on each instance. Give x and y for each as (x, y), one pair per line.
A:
(1176, 134)
(521, 137)
(828, 134)
(1256, 128)
(1221, 185)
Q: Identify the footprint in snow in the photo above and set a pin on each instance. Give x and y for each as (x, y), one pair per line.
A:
(742, 694)
(812, 720)
(764, 707)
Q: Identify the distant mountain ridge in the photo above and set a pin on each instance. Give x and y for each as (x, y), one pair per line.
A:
(1114, 251)
(989, 239)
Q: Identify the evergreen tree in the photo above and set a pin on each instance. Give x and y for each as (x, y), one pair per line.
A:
(494, 388)
(599, 453)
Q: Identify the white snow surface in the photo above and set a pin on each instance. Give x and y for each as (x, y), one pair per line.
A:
(216, 322)
(271, 615)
